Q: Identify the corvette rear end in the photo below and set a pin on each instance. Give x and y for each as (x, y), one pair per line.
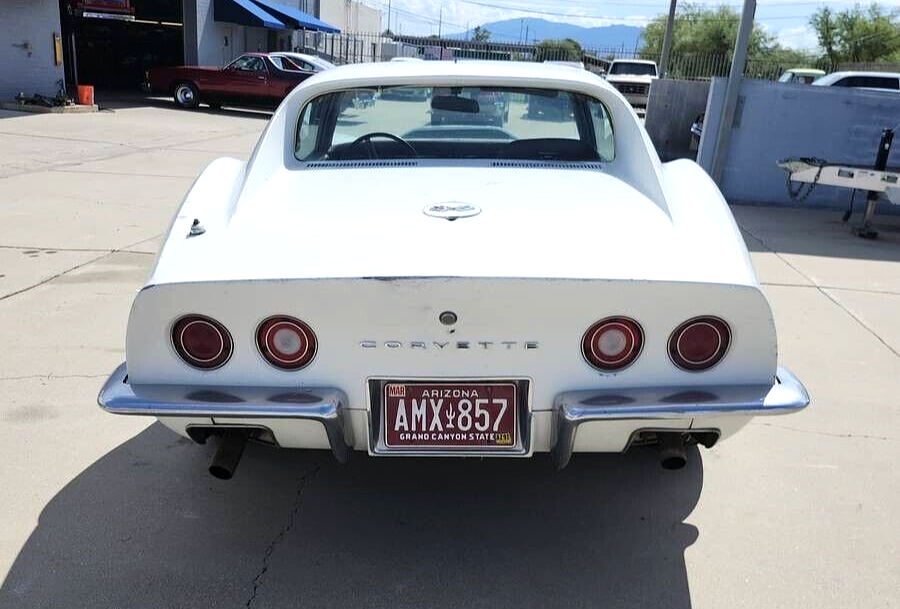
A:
(550, 287)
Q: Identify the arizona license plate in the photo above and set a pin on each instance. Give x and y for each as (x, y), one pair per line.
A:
(450, 415)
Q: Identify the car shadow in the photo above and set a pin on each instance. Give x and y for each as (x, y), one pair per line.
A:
(817, 232)
(122, 100)
(146, 526)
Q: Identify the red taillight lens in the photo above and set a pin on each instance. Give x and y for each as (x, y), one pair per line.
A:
(286, 343)
(699, 343)
(612, 343)
(201, 342)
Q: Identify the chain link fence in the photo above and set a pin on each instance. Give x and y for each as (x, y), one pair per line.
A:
(367, 47)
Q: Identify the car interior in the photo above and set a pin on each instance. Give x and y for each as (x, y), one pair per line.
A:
(318, 138)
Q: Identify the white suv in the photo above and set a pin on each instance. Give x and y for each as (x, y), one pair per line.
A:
(882, 81)
(632, 77)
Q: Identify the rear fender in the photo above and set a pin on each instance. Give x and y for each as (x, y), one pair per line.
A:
(209, 201)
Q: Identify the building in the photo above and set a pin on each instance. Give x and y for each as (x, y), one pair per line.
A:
(112, 43)
(31, 55)
(349, 16)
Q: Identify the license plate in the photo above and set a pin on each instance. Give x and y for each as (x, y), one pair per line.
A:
(450, 415)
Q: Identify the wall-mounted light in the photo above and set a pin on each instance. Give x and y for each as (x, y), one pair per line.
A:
(57, 49)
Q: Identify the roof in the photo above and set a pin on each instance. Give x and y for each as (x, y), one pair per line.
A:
(268, 14)
(244, 12)
(471, 68)
(830, 78)
(806, 71)
(295, 18)
(644, 61)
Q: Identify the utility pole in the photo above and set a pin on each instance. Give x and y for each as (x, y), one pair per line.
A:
(735, 76)
(440, 19)
(667, 40)
(389, 16)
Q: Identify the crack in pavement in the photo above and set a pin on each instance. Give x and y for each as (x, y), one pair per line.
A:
(824, 292)
(50, 376)
(79, 249)
(827, 434)
(51, 278)
(134, 149)
(74, 268)
(279, 537)
(828, 287)
(122, 173)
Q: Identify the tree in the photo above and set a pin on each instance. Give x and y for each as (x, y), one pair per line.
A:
(858, 34)
(699, 29)
(480, 34)
(703, 42)
(823, 22)
(558, 50)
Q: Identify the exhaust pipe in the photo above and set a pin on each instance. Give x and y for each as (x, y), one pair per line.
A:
(231, 448)
(671, 450)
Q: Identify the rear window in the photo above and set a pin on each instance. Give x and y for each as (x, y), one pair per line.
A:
(454, 123)
(633, 69)
(870, 82)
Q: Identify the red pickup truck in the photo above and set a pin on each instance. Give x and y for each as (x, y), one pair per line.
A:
(253, 79)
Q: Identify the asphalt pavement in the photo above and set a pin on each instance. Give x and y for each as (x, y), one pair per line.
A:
(106, 511)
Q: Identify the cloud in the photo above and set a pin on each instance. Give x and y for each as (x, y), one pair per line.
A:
(800, 37)
(422, 16)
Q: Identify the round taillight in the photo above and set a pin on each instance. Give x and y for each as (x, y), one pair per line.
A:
(286, 343)
(699, 343)
(201, 342)
(612, 343)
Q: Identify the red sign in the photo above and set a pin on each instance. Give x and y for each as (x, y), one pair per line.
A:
(105, 6)
(450, 415)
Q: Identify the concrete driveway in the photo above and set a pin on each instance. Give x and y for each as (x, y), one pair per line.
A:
(104, 511)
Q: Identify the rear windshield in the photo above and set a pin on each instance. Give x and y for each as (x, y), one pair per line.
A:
(454, 123)
(633, 69)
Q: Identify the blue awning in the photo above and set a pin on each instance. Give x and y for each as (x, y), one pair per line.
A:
(245, 12)
(294, 17)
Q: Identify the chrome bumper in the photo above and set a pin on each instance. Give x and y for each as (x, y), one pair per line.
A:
(326, 406)
(652, 404)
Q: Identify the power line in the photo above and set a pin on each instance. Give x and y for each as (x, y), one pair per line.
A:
(616, 18)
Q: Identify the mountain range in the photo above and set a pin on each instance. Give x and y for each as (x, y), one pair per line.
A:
(604, 37)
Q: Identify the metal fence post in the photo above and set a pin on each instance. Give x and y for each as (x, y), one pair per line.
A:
(667, 40)
(735, 76)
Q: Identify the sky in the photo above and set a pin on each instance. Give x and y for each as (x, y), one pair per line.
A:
(786, 19)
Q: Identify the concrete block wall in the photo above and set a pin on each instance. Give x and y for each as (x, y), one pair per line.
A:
(671, 110)
(31, 70)
(777, 120)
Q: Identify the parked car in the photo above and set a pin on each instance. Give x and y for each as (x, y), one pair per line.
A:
(802, 76)
(405, 93)
(347, 288)
(572, 64)
(304, 61)
(886, 81)
(696, 132)
(550, 106)
(252, 79)
(493, 108)
(633, 77)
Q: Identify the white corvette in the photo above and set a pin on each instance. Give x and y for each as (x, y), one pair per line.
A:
(369, 281)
